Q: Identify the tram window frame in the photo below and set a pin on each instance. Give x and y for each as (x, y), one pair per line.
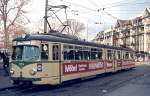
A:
(79, 55)
(66, 53)
(71, 56)
(123, 54)
(93, 53)
(114, 54)
(82, 53)
(109, 54)
(131, 55)
(118, 54)
(55, 52)
(126, 55)
(100, 52)
(44, 52)
(86, 55)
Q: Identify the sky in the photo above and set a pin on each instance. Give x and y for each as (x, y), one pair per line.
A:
(97, 15)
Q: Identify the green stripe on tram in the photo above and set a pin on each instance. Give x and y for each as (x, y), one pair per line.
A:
(29, 79)
(22, 64)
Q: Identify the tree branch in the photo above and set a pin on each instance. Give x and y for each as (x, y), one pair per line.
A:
(11, 9)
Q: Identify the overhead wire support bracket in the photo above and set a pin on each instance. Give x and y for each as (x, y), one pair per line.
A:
(59, 7)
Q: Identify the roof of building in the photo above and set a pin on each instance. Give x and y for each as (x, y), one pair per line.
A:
(134, 21)
(146, 12)
(122, 23)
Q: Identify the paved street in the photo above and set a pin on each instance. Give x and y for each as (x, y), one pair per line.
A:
(136, 81)
(4, 79)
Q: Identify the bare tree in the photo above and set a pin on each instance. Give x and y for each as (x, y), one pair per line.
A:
(75, 27)
(11, 11)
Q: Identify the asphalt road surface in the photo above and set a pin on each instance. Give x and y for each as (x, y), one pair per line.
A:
(112, 84)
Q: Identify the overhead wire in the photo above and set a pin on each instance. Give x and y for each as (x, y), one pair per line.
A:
(95, 4)
(126, 4)
(115, 2)
(103, 9)
(79, 5)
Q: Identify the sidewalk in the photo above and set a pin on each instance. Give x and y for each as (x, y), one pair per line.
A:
(143, 62)
(137, 87)
(4, 79)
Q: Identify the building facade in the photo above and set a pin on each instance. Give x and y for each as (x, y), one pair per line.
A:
(105, 37)
(134, 33)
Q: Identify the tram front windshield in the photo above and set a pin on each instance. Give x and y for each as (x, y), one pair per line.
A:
(25, 53)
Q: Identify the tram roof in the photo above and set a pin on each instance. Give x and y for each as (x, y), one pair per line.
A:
(64, 38)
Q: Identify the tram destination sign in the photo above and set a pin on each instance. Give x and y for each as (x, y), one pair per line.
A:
(23, 43)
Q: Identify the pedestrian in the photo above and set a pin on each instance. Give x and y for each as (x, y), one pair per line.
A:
(5, 62)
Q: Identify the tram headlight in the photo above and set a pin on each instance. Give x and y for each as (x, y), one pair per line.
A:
(33, 71)
(12, 71)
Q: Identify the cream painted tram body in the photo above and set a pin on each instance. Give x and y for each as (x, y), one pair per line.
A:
(53, 59)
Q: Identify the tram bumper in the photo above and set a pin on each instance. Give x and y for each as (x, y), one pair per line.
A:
(25, 80)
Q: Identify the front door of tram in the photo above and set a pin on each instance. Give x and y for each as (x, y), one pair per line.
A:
(56, 56)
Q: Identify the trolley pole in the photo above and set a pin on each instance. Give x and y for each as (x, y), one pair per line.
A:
(45, 17)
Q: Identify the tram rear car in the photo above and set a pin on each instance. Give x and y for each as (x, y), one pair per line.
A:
(50, 59)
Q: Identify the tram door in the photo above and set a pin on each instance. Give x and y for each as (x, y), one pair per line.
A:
(56, 57)
(114, 60)
(109, 60)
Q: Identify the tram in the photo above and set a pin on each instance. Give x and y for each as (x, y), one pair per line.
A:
(53, 58)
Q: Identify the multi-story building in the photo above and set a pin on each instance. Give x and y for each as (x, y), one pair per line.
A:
(105, 37)
(134, 33)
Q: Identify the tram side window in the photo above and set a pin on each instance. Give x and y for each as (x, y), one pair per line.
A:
(127, 55)
(44, 51)
(109, 54)
(65, 55)
(114, 54)
(86, 55)
(100, 54)
(123, 55)
(94, 55)
(68, 55)
(71, 55)
(132, 55)
(55, 51)
(69, 52)
(78, 55)
(118, 55)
